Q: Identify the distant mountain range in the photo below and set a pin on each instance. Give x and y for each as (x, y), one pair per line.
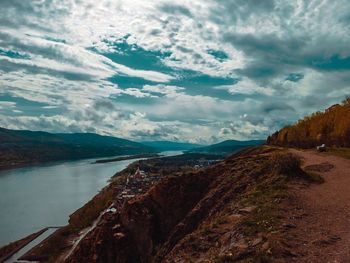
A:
(20, 147)
(170, 146)
(226, 147)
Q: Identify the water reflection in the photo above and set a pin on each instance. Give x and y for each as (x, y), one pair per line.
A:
(32, 198)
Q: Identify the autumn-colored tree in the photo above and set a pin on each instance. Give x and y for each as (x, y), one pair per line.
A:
(331, 127)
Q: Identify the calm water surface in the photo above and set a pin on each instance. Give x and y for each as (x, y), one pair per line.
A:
(32, 198)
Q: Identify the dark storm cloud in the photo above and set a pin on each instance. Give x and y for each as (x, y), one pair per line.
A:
(271, 55)
(269, 107)
(276, 49)
(312, 101)
(160, 132)
(104, 105)
(175, 9)
(228, 12)
(8, 66)
(201, 70)
(32, 14)
(47, 49)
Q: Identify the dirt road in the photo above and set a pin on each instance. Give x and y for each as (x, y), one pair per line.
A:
(318, 223)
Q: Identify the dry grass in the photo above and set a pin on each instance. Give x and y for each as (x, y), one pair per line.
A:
(289, 165)
(286, 163)
(342, 152)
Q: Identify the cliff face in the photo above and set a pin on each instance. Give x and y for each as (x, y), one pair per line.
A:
(227, 210)
(145, 222)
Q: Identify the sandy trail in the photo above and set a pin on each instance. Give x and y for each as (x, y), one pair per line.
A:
(320, 216)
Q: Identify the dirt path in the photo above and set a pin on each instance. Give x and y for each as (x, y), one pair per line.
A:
(318, 225)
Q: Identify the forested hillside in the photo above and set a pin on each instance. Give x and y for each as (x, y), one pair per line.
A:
(331, 127)
(20, 147)
(227, 147)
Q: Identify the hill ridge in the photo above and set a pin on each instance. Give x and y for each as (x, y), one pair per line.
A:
(331, 127)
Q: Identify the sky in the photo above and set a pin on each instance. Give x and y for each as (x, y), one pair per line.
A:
(198, 71)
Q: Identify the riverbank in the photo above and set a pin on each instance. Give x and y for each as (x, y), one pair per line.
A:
(130, 157)
(10, 249)
(219, 211)
(16, 164)
(21, 147)
(38, 204)
(17, 255)
(65, 239)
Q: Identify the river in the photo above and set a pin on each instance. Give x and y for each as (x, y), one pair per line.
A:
(36, 197)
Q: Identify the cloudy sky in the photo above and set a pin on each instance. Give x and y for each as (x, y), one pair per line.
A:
(198, 71)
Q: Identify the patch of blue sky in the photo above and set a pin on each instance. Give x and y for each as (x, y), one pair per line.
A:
(335, 62)
(14, 54)
(29, 107)
(195, 83)
(295, 77)
(127, 99)
(218, 54)
(124, 81)
(136, 57)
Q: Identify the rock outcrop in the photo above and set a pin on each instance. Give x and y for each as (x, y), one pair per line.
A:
(226, 211)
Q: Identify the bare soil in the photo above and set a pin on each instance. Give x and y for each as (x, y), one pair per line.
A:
(318, 216)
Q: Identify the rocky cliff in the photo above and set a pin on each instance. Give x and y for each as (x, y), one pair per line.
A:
(225, 212)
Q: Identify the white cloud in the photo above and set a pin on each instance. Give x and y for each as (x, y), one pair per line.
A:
(136, 93)
(162, 89)
(239, 130)
(61, 57)
(261, 42)
(7, 105)
(90, 23)
(54, 91)
(247, 87)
